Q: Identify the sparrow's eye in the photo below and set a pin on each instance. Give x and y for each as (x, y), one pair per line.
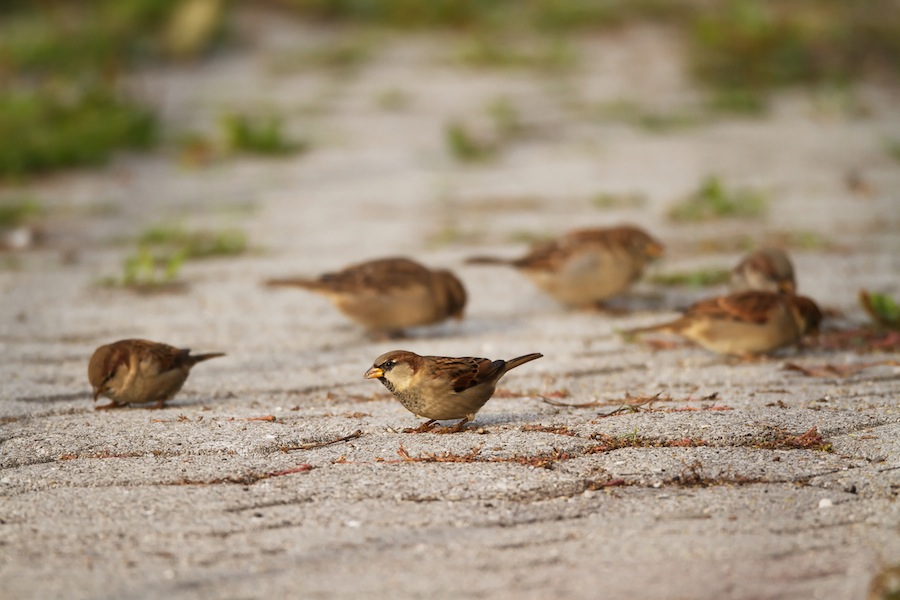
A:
(388, 365)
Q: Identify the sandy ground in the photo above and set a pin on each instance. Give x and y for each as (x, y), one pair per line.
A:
(205, 499)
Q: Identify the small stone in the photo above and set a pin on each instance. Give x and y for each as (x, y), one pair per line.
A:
(826, 503)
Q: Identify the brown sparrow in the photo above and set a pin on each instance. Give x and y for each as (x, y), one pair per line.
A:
(441, 387)
(139, 371)
(389, 294)
(745, 323)
(586, 266)
(766, 270)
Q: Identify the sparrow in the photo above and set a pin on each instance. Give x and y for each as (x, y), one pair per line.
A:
(584, 267)
(388, 295)
(441, 387)
(140, 371)
(745, 323)
(767, 270)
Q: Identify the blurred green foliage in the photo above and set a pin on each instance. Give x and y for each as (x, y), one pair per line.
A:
(62, 62)
(201, 243)
(698, 278)
(257, 135)
(881, 308)
(61, 65)
(146, 269)
(713, 200)
(48, 130)
(15, 211)
(555, 15)
(745, 45)
(550, 54)
(742, 49)
(609, 200)
(466, 146)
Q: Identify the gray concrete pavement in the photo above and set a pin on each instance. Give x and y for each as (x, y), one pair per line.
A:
(226, 494)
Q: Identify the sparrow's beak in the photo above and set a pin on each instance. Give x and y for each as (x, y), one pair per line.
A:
(786, 287)
(374, 373)
(96, 393)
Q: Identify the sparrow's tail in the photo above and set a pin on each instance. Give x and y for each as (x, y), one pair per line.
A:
(308, 284)
(489, 260)
(667, 327)
(195, 358)
(515, 362)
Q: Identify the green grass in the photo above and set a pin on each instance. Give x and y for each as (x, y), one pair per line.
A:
(696, 279)
(892, 148)
(747, 48)
(713, 201)
(608, 200)
(506, 118)
(505, 126)
(490, 51)
(258, 135)
(342, 55)
(161, 251)
(62, 39)
(60, 93)
(465, 146)
(800, 240)
(632, 113)
(524, 236)
(61, 63)
(148, 270)
(194, 244)
(14, 212)
(881, 308)
(393, 99)
(548, 15)
(52, 131)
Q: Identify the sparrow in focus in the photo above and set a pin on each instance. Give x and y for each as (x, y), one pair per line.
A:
(745, 323)
(140, 371)
(390, 294)
(766, 270)
(586, 266)
(441, 387)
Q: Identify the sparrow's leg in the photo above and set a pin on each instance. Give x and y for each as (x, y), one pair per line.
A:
(112, 404)
(458, 427)
(423, 428)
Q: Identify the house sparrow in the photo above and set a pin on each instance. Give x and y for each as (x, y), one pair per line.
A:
(390, 294)
(586, 266)
(140, 371)
(441, 387)
(745, 323)
(766, 270)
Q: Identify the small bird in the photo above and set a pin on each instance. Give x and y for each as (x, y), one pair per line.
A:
(441, 387)
(388, 295)
(140, 371)
(584, 267)
(766, 270)
(745, 323)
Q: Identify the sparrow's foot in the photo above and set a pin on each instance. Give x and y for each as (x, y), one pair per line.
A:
(423, 428)
(108, 406)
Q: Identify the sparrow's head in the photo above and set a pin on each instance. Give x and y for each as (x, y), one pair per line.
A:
(809, 313)
(395, 369)
(767, 269)
(451, 292)
(107, 369)
(638, 242)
